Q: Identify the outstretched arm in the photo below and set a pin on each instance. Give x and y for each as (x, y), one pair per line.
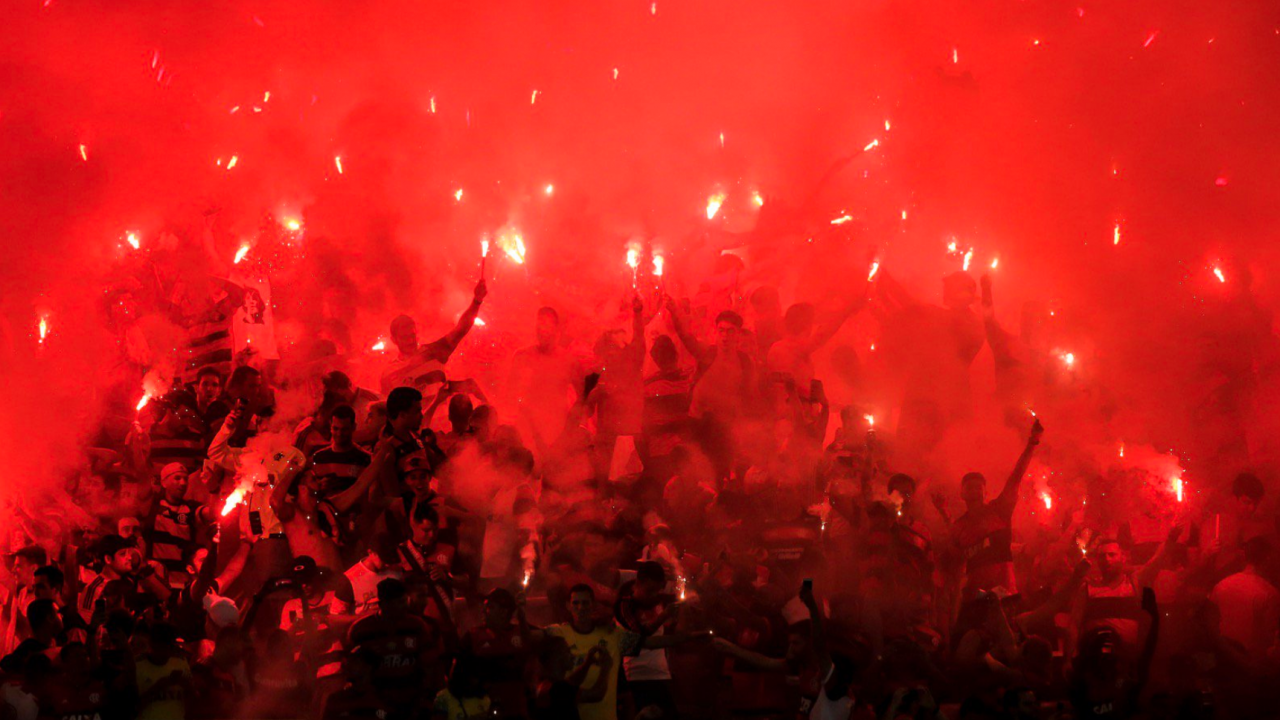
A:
(695, 348)
(466, 321)
(1009, 495)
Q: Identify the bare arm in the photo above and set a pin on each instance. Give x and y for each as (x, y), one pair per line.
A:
(695, 348)
(468, 318)
(1009, 495)
(346, 499)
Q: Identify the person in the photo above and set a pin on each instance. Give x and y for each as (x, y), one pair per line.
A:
(544, 382)
(792, 356)
(984, 533)
(1111, 600)
(665, 420)
(19, 592)
(500, 649)
(583, 633)
(642, 608)
(171, 531)
(465, 696)
(162, 677)
(422, 553)
(338, 465)
(415, 362)
(1249, 605)
(78, 692)
(1106, 682)
(122, 564)
(618, 398)
(400, 641)
(359, 699)
(46, 625)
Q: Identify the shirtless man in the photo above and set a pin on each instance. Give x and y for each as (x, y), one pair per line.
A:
(416, 361)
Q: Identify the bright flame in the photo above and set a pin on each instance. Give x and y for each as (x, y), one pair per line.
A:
(337, 160)
(1121, 449)
(513, 245)
(379, 346)
(133, 240)
(952, 247)
(533, 98)
(433, 104)
(484, 248)
(875, 268)
(293, 224)
(480, 322)
(44, 329)
(527, 575)
(146, 398)
(615, 73)
(659, 264)
(886, 124)
(842, 220)
(266, 96)
(995, 263)
(757, 198)
(549, 189)
(84, 153)
(713, 205)
(1177, 488)
(955, 56)
(633, 258)
(871, 145)
(1115, 235)
(1151, 38)
(457, 195)
(235, 498)
(1048, 500)
(244, 250)
(1068, 359)
(232, 162)
(968, 257)
(1217, 272)
(871, 420)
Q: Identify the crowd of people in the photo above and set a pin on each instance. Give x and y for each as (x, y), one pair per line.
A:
(659, 525)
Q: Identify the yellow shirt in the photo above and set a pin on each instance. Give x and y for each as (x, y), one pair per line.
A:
(171, 704)
(454, 709)
(617, 642)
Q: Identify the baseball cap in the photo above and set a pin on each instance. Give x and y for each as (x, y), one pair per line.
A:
(112, 544)
(413, 462)
(32, 553)
(172, 469)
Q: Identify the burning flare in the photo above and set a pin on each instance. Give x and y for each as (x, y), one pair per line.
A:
(513, 245)
(713, 205)
(84, 153)
(232, 162)
(235, 498)
(1115, 235)
(875, 268)
(1217, 272)
(659, 264)
(1177, 488)
(457, 195)
(146, 398)
(337, 160)
(244, 250)
(43, 328)
(132, 239)
(379, 346)
(871, 145)
(842, 220)
(1048, 500)
(968, 258)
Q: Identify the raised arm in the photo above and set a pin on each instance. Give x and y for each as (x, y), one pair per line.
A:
(467, 320)
(691, 343)
(1009, 495)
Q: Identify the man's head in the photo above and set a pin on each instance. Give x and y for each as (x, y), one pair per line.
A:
(129, 528)
(342, 427)
(499, 608)
(1110, 558)
(651, 579)
(415, 473)
(973, 488)
(765, 303)
(26, 561)
(460, 410)
(547, 327)
(664, 352)
(798, 321)
(119, 555)
(404, 333)
(48, 582)
(1248, 492)
(173, 482)
(904, 485)
(208, 385)
(425, 524)
(404, 410)
(728, 329)
(43, 618)
(582, 604)
(245, 384)
(393, 597)
(338, 385)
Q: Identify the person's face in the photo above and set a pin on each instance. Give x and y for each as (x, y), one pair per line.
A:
(197, 560)
(25, 570)
(341, 430)
(128, 527)
(207, 389)
(175, 486)
(43, 590)
(664, 355)
(418, 482)
(411, 418)
(1027, 705)
(125, 561)
(424, 532)
(405, 336)
(728, 334)
(582, 607)
(797, 646)
(495, 615)
(645, 589)
(973, 491)
(1110, 559)
(547, 330)
(1245, 505)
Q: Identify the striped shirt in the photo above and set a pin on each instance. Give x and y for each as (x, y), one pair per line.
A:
(337, 470)
(208, 345)
(171, 536)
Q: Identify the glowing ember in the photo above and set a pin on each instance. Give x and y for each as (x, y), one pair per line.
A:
(379, 346)
(244, 250)
(293, 224)
(235, 498)
(713, 205)
(457, 195)
(871, 420)
(1048, 500)
(842, 220)
(433, 104)
(871, 145)
(1177, 488)
(875, 268)
(955, 56)
(512, 244)
(1217, 272)
(132, 239)
(43, 329)
(757, 198)
(659, 264)
(337, 160)
(968, 257)
(84, 153)
(1115, 235)
(549, 189)
(146, 398)
(1151, 38)
(533, 98)
(232, 162)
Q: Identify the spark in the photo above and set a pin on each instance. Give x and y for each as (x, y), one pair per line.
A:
(1048, 500)
(232, 162)
(146, 398)
(433, 104)
(293, 224)
(1217, 272)
(842, 220)
(513, 245)
(244, 250)
(235, 498)
(713, 205)
(132, 239)
(886, 124)
(871, 420)
(549, 189)
(337, 160)
(1033, 412)
(871, 145)
(1115, 235)
(875, 268)
(533, 98)
(995, 263)
(480, 322)
(379, 346)
(757, 198)
(615, 73)
(955, 56)
(266, 96)
(659, 265)
(457, 195)
(1151, 38)
(84, 153)
(43, 328)
(952, 247)
(968, 257)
